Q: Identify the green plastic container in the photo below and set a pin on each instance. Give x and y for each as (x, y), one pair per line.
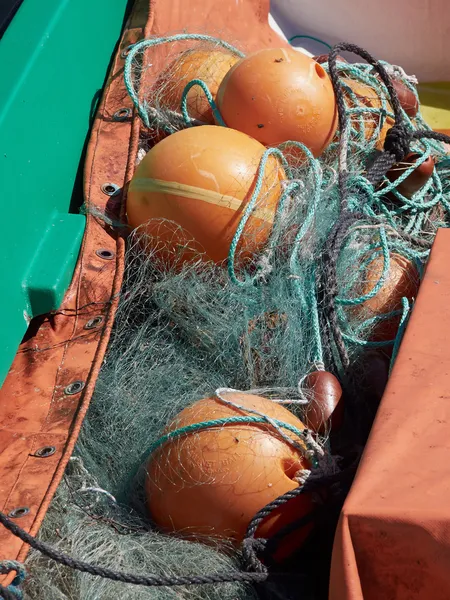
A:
(54, 56)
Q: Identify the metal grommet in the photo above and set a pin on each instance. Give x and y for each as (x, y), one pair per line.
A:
(16, 513)
(93, 323)
(74, 388)
(110, 188)
(126, 51)
(122, 114)
(105, 253)
(45, 452)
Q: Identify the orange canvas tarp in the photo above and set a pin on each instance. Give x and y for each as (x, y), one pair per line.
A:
(59, 350)
(393, 538)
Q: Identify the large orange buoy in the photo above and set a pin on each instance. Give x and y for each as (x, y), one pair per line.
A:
(276, 95)
(367, 96)
(213, 481)
(210, 67)
(202, 178)
(402, 281)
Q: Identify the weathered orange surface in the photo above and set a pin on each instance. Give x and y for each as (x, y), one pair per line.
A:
(393, 539)
(58, 350)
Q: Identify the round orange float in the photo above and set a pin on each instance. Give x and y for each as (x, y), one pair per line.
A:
(210, 67)
(202, 178)
(213, 481)
(367, 96)
(402, 281)
(276, 95)
(406, 97)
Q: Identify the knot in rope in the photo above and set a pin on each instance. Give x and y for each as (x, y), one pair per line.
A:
(251, 548)
(397, 141)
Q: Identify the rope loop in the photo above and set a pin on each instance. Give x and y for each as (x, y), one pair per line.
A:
(12, 592)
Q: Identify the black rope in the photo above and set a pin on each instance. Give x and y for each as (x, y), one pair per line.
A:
(330, 283)
(396, 147)
(398, 138)
(253, 547)
(106, 573)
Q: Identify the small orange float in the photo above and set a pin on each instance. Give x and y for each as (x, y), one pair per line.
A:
(202, 178)
(209, 67)
(276, 95)
(406, 97)
(213, 481)
(415, 180)
(326, 408)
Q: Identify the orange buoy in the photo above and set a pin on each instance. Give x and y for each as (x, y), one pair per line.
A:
(415, 180)
(210, 67)
(213, 481)
(402, 281)
(325, 409)
(367, 96)
(202, 178)
(276, 95)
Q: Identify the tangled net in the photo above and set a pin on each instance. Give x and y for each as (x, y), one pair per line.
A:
(185, 329)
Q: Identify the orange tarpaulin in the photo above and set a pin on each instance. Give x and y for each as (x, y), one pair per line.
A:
(58, 349)
(393, 538)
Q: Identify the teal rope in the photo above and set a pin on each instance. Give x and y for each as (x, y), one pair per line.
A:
(377, 287)
(374, 320)
(248, 211)
(400, 332)
(295, 269)
(6, 566)
(194, 427)
(213, 105)
(309, 37)
(404, 213)
(317, 355)
(149, 43)
(366, 343)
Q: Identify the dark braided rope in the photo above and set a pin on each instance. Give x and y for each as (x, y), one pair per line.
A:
(396, 147)
(398, 138)
(415, 240)
(106, 573)
(330, 283)
(252, 546)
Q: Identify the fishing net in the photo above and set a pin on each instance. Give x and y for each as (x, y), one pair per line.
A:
(177, 80)
(254, 323)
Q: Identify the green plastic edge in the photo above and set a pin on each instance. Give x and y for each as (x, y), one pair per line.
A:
(54, 56)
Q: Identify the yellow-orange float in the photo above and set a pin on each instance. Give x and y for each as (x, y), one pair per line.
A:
(213, 481)
(202, 178)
